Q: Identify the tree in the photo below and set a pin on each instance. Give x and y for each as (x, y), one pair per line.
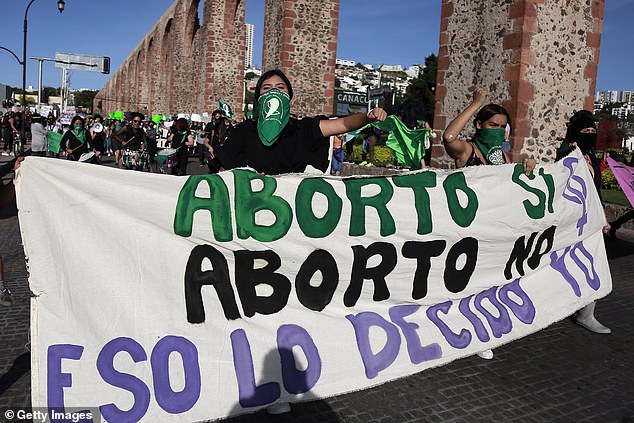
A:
(85, 98)
(420, 96)
(48, 92)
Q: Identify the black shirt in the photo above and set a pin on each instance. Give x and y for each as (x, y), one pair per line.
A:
(300, 144)
(69, 140)
(135, 137)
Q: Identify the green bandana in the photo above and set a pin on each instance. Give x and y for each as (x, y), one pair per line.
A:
(489, 141)
(79, 132)
(275, 111)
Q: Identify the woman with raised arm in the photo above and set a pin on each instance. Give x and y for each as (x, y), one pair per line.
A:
(485, 148)
(277, 142)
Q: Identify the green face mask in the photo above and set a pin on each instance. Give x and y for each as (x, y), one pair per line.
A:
(79, 132)
(489, 141)
(275, 111)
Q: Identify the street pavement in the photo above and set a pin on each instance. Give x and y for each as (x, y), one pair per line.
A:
(563, 373)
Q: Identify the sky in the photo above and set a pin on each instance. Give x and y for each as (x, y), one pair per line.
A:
(370, 31)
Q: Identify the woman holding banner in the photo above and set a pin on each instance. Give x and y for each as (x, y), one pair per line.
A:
(486, 147)
(582, 133)
(277, 143)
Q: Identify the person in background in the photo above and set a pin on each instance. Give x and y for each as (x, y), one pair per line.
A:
(114, 129)
(337, 154)
(199, 139)
(180, 139)
(486, 147)
(212, 140)
(7, 196)
(152, 142)
(39, 143)
(98, 137)
(371, 136)
(133, 140)
(76, 140)
(9, 130)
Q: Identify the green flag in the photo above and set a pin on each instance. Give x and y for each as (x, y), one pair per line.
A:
(54, 140)
(157, 119)
(408, 144)
(226, 110)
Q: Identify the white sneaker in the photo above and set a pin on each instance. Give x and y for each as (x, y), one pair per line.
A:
(279, 408)
(486, 354)
(593, 325)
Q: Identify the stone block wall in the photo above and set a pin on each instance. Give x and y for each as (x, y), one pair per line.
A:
(182, 65)
(300, 38)
(537, 58)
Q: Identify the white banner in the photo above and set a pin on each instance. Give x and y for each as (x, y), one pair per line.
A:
(195, 298)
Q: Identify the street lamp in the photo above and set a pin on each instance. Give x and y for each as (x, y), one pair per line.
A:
(60, 7)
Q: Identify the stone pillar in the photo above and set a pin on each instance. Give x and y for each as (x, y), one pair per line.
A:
(300, 38)
(537, 58)
(225, 48)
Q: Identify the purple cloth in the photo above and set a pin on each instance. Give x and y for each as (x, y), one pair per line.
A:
(625, 175)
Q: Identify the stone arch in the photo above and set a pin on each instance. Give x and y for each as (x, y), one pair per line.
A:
(231, 11)
(143, 82)
(192, 28)
(150, 66)
(131, 84)
(165, 67)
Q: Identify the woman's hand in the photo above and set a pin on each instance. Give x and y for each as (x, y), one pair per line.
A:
(18, 162)
(479, 95)
(529, 164)
(377, 114)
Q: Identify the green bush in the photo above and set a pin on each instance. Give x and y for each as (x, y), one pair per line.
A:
(608, 181)
(382, 155)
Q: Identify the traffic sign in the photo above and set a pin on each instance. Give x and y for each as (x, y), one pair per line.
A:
(82, 62)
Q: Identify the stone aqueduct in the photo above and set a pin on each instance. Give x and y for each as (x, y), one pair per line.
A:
(536, 57)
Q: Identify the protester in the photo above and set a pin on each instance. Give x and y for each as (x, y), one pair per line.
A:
(337, 154)
(278, 143)
(486, 147)
(115, 127)
(180, 139)
(370, 137)
(39, 143)
(98, 136)
(7, 196)
(199, 139)
(582, 133)
(9, 131)
(616, 224)
(212, 140)
(76, 140)
(151, 136)
(132, 139)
